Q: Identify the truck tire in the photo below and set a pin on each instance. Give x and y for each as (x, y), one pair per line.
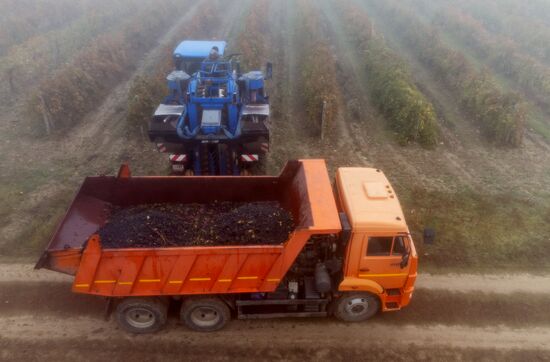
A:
(204, 314)
(142, 315)
(356, 307)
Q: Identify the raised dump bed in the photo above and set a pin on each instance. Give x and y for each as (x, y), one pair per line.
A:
(303, 189)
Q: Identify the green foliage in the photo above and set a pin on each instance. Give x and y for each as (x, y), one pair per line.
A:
(25, 65)
(144, 95)
(500, 116)
(474, 230)
(392, 89)
(252, 40)
(503, 54)
(526, 22)
(80, 86)
(410, 114)
(23, 19)
(317, 70)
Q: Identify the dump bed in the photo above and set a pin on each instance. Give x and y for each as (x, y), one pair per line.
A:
(303, 188)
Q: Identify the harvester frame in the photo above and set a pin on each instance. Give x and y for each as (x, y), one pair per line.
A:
(215, 120)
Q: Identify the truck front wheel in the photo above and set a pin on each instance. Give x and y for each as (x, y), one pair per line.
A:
(141, 315)
(204, 314)
(356, 307)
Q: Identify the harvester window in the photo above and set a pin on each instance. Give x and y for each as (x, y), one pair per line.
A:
(379, 246)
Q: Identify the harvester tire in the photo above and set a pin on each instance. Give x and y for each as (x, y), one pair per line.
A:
(356, 307)
(142, 315)
(204, 314)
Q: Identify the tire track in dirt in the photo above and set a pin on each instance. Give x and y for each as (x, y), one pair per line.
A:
(129, 349)
(514, 301)
(261, 334)
(487, 283)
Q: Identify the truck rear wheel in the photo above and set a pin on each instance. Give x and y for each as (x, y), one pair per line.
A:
(356, 307)
(204, 314)
(141, 315)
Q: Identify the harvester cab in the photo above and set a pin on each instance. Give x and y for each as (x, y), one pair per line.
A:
(214, 120)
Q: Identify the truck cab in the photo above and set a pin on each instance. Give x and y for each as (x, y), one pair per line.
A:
(380, 257)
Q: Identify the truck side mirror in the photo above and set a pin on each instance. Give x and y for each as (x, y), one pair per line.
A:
(429, 236)
(268, 70)
(405, 259)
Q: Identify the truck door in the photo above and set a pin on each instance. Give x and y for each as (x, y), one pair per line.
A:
(380, 261)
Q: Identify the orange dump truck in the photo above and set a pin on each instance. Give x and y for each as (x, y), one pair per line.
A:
(350, 255)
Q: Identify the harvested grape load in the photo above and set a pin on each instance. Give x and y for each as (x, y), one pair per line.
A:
(218, 223)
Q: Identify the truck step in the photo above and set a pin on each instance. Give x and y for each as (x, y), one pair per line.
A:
(242, 303)
(392, 306)
(311, 308)
(282, 315)
(310, 289)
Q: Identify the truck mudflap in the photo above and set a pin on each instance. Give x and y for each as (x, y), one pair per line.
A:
(303, 188)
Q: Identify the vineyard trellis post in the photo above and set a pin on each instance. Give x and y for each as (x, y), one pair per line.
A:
(323, 119)
(45, 115)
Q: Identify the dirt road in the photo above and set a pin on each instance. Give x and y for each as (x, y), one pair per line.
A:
(33, 337)
(448, 319)
(460, 316)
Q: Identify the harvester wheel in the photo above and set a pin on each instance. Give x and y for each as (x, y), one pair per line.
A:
(141, 315)
(356, 307)
(204, 314)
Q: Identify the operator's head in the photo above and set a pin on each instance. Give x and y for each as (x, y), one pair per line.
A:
(214, 53)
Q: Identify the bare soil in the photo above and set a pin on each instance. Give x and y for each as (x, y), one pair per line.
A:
(450, 308)
(42, 317)
(73, 338)
(446, 319)
(128, 349)
(520, 283)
